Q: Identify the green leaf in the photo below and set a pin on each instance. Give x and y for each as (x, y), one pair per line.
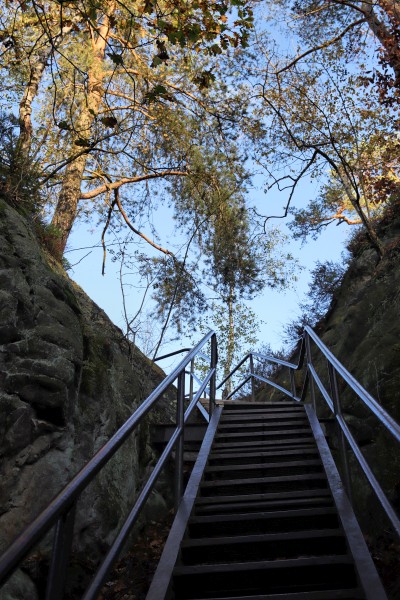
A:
(149, 6)
(64, 125)
(156, 61)
(162, 25)
(109, 121)
(204, 79)
(176, 37)
(82, 142)
(116, 58)
(193, 34)
(159, 90)
(215, 49)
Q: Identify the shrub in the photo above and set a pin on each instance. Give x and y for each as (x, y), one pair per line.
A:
(19, 177)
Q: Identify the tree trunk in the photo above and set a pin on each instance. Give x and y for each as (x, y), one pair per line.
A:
(230, 345)
(67, 206)
(25, 105)
(383, 34)
(354, 199)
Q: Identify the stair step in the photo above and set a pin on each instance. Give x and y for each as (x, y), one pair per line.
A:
(257, 502)
(261, 408)
(273, 456)
(267, 484)
(235, 508)
(273, 546)
(265, 496)
(298, 432)
(263, 522)
(264, 425)
(240, 404)
(222, 472)
(264, 577)
(350, 594)
(286, 444)
(271, 413)
(269, 416)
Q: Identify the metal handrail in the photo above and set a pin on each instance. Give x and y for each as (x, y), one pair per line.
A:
(368, 400)
(199, 354)
(61, 511)
(193, 378)
(268, 357)
(234, 370)
(332, 399)
(174, 353)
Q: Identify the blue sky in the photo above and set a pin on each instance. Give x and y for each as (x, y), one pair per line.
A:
(274, 309)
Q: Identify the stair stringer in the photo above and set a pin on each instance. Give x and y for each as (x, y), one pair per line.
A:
(365, 567)
(163, 575)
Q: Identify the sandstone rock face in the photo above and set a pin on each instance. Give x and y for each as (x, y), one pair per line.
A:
(68, 381)
(362, 330)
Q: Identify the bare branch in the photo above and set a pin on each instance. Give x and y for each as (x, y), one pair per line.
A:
(321, 46)
(132, 228)
(108, 221)
(292, 191)
(117, 184)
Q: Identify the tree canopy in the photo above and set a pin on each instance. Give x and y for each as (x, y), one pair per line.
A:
(113, 109)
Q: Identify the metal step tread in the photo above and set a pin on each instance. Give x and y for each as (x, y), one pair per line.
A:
(261, 408)
(264, 496)
(344, 594)
(265, 444)
(275, 413)
(258, 480)
(262, 537)
(264, 423)
(265, 465)
(233, 508)
(281, 433)
(265, 565)
(291, 454)
(237, 404)
(260, 416)
(263, 515)
(244, 416)
(263, 426)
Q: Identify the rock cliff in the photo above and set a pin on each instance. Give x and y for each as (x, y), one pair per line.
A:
(362, 329)
(68, 381)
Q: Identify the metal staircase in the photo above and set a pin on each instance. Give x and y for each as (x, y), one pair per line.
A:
(265, 513)
(270, 519)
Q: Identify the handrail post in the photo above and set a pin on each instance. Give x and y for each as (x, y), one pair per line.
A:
(180, 412)
(191, 380)
(253, 395)
(62, 542)
(292, 382)
(213, 380)
(309, 362)
(342, 443)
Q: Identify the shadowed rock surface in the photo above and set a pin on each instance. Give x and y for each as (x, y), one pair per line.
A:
(68, 381)
(362, 329)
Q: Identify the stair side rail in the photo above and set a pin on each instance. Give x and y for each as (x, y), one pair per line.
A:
(252, 375)
(332, 399)
(194, 379)
(60, 513)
